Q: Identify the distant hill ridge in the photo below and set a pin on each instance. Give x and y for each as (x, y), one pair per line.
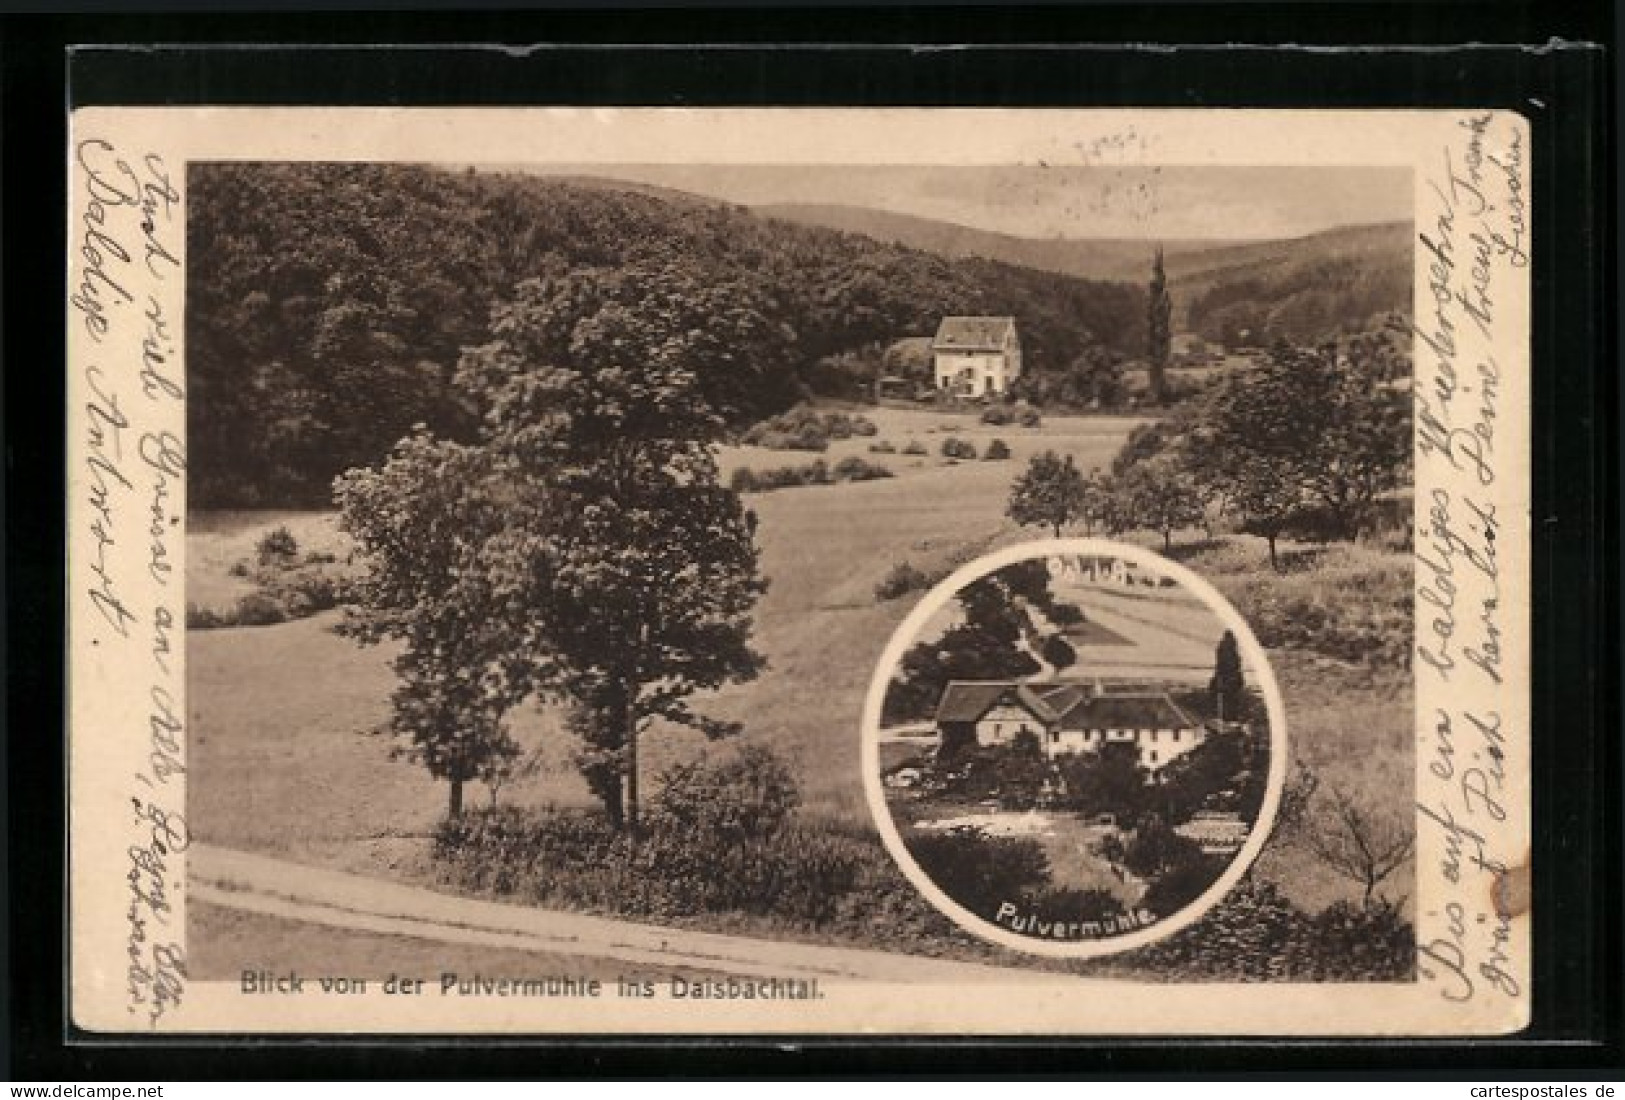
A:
(1107, 258)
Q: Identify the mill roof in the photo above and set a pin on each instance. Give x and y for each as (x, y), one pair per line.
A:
(972, 333)
(968, 700)
(1127, 712)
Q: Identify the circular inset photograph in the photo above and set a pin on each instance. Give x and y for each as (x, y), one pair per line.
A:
(1074, 747)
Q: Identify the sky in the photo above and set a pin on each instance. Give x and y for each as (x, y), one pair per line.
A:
(1152, 203)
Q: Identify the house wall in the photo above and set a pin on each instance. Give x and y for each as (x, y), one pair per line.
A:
(1000, 725)
(1157, 748)
(985, 367)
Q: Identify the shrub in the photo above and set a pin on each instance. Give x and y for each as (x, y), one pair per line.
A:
(1110, 848)
(719, 839)
(1155, 849)
(1173, 891)
(258, 609)
(996, 450)
(1058, 652)
(978, 870)
(854, 468)
(998, 415)
(746, 480)
(954, 447)
(1353, 942)
(749, 796)
(804, 429)
(1067, 903)
(1248, 936)
(915, 447)
(903, 579)
(305, 592)
(1256, 934)
(203, 618)
(1064, 614)
(277, 546)
(239, 569)
(1029, 417)
(882, 447)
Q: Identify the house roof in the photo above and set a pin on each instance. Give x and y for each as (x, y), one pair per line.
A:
(1151, 710)
(969, 700)
(1063, 697)
(972, 333)
(1071, 706)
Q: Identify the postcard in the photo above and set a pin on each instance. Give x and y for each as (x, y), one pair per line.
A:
(850, 571)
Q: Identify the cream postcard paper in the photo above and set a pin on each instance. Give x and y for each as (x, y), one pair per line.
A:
(774, 571)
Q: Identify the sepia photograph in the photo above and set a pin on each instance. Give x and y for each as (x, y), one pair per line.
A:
(1074, 750)
(544, 527)
(632, 583)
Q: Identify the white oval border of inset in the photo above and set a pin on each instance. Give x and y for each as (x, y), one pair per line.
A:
(907, 633)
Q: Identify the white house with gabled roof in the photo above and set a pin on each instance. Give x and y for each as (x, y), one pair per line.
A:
(976, 356)
(1067, 719)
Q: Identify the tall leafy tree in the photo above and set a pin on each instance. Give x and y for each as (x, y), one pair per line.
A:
(1227, 687)
(1109, 780)
(610, 573)
(1262, 435)
(985, 645)
(1159, 334)
(422, 519)
(1050, 493)
(1160, 495)
(1306, 430)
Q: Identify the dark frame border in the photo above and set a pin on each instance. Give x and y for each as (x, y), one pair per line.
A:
(1563, 90)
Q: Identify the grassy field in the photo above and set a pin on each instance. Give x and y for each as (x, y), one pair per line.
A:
(288, 756)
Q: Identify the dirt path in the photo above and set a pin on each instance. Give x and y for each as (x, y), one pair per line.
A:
(292, 891)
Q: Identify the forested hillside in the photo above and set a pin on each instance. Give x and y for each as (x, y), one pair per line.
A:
(1304, 289)
(328, 304)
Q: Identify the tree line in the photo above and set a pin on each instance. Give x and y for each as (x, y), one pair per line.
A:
(1308, 442)
(1304, 301)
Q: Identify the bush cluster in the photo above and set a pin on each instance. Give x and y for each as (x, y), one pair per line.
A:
(1355, 605)
(978, 870)
(718, 839)
(804, 429)
(296, 594)
(905, 577)
(882, 447)
(1256, 934)
(997, 449)
(853, 468)
(277, 547)
(817, 472)
(1020, 413)
(954, 447)
(286, 586)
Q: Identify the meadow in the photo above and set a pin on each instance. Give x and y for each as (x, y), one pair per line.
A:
(289, 753)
